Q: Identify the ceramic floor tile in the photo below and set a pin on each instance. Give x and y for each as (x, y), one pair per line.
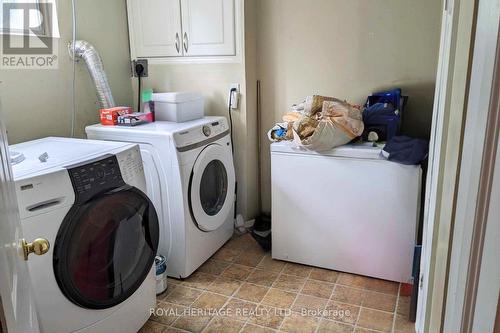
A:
(250, 328)
(210, 301)
(289, 282)
(167, 313)
(270, 264)
(267, 316)
(183, 296)
(241, 279)
(251, 292)
(173, 282)
(309, 305)
(318, 289)
(376, 320)
(213, 267)
(296, 323)
(239, 310)
(404, 306)
(364, 330)
(238, 242)
(403, 325)
(152, 327)
(199, 280)
(341, 312)
(262, 277)
(168, 291)
(190, 323)
(253, 246)
(379, 301)
(173, 330)
(383, 286)
(249, 258)
(325, 275)
(227, 255)
(224, 286)
(279, 298)
(297, 269)
(328, 326)
(223, 325)
(237, 272)
(353, 280)
(348, 295)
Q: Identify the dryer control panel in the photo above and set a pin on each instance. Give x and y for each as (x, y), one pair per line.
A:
(95, 177)
(198, 136)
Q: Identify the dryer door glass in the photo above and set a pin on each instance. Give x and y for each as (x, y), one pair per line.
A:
(211, 188)
(105, 248)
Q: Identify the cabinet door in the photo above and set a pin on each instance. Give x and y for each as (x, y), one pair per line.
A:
(208, 27)
(155, 28)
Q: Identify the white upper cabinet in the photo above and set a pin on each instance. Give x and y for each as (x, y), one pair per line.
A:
(155, 28)
(184, 29)
(208, 27)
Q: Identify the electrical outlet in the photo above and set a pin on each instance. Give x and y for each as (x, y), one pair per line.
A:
(144, 63)
(235, 85)
(234, 98)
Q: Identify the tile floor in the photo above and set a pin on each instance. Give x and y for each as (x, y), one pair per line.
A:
(242, 289)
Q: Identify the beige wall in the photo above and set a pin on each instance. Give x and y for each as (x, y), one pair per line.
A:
(346, 49)
(37, 103)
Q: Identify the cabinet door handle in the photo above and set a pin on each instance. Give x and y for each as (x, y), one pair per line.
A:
(185, 42)
(177, 43)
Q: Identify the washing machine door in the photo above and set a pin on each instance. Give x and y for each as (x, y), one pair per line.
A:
(211, 188)
(105, 247)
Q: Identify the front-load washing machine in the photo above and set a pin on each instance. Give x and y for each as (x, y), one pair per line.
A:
(85, 200)
(191, 180)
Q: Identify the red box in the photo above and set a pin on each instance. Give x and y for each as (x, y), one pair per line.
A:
(109, 117)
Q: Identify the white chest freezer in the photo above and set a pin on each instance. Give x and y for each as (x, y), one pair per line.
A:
(348, 210)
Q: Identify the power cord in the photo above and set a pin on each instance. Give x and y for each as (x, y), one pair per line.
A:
(139, 69)
(233, 90)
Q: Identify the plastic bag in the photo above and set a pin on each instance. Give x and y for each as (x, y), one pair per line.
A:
(336, 124)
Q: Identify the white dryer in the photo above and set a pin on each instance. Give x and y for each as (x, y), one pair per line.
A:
(191, 180)
(86, 198)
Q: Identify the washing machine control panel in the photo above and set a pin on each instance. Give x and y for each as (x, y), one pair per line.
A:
(201, 134)
(95, 177)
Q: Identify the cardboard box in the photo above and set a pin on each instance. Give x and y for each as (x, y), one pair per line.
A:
(109, 117)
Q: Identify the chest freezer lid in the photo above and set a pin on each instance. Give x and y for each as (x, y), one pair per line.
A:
(354, 150)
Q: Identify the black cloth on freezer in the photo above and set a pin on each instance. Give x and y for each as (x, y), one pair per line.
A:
(406, 150)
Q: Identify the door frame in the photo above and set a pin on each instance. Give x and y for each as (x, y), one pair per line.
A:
(476, 178)
(451, 95)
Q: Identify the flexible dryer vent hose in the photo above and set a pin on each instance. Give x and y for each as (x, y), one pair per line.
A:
(86, 51)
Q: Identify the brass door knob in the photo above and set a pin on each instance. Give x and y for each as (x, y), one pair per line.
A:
(39, 247)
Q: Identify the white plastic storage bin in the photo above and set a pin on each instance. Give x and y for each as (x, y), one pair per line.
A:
(178, 106)
(347, 209)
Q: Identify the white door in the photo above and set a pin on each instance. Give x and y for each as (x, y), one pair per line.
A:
(211, 188)
(433, 172)
(15, 287)
(155, 28)
(208, 27)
